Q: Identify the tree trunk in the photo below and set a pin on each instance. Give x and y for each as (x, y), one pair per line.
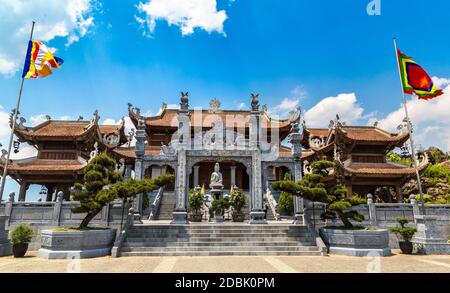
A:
(89, 218)
(344, 219)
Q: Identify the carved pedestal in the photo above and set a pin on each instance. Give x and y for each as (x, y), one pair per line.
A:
(429, 238)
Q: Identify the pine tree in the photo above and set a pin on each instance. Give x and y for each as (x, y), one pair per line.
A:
(102, 184)
(317, 187)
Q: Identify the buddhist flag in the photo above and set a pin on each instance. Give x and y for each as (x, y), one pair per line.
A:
(39, 61)
(415, 80)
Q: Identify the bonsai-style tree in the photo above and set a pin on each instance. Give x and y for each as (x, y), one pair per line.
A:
(99, 174)
(317, 187)
(102, 184)
(403, 233)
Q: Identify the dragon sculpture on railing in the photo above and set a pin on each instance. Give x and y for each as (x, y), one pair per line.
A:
(156, 204)
(272, 204)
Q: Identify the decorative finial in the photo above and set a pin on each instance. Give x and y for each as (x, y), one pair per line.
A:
(184, 101)
(255, 102)
(214, 105)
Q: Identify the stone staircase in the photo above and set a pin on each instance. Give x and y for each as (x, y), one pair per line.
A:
(166, 207)
(218, 240)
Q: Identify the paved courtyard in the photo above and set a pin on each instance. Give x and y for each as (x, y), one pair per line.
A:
(263, 264)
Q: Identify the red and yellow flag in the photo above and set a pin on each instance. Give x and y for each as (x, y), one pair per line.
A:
(415, 80)
(39, 61)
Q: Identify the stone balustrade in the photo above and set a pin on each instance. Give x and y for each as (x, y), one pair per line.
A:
(57, 214)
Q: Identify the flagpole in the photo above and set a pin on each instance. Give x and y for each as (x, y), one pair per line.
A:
(413, 149)
(13, 126)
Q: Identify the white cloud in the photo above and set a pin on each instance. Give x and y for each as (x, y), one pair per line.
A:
(26, 150)
(70, 19)
(345, 105)
(289, 104)
(241, 106)
(4, 126)
(431, 119)
(188, 15)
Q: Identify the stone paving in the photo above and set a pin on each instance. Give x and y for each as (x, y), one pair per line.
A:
(259, 264)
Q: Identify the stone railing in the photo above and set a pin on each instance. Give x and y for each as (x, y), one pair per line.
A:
(58, 213)
(383, 214)
(272, 204)
(115, 251)
(154, 208)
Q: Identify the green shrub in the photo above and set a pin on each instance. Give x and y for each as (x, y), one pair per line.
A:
(437, 171)
(220, 205)
(396, 158)
(286, 203)
(21, 234)
(195, 200)
(403, 233)
(238, 200)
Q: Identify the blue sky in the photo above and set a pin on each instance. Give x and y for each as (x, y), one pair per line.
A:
(291, 52)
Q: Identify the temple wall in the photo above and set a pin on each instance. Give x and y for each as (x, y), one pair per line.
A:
(385, 215)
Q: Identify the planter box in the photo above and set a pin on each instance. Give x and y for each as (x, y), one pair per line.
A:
(76, 244)
(357, 242)
(5, 245)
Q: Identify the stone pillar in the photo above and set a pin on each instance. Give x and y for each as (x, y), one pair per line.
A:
(9, 207)
(372, 210)
(415, 206)
(196, 169)
(128, 169)
(5, 245)
(295, 139)
(57, 208)
(232, 176)
(399, 193)
(257, 213)
(141, 137)
(180, 212)
(23, 190)
(184, 143)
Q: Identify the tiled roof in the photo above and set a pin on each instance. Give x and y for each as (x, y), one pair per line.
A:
(370, 134)
(37, 165)
(58, 129)
(379, 169)
(131, 153)
(318, 131)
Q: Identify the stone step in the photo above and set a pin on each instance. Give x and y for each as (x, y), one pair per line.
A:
(220, 226)
(219, 248)
(224, 234)
(218, 239)
(223, 253)
(163, 244)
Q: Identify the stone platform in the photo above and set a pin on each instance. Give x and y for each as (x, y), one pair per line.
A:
(206, 239)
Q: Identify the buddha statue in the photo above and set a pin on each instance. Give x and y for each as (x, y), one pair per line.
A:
(216, 176)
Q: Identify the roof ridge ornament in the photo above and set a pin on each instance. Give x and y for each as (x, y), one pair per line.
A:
(184, 101)
(255, 102)
(134, 110)
(214, 106)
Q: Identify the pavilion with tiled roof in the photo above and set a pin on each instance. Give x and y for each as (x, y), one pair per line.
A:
(360, 156)
(63, 150)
